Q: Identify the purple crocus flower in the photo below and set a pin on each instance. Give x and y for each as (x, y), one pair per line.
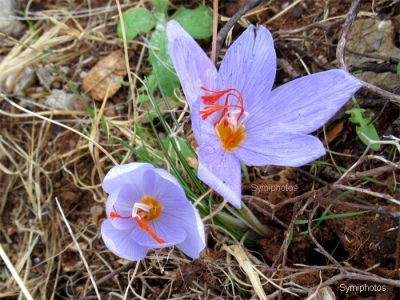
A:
(237, 118)
(147, 208)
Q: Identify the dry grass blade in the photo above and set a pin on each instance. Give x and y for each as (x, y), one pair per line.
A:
(25, 54)
(14, 273)
(3, 96)
(243, 260)
(79, 249)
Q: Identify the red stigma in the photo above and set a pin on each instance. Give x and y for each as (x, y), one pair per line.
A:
(142, 224)
(211, 108)
(139, 220)
(115, 215)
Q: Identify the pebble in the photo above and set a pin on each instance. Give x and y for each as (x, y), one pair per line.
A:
(8, 23)
(17, 83)
(60, 99)
(108, 73)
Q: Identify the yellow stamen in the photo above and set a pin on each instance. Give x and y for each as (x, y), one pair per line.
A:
(155, 210)
(231, 137)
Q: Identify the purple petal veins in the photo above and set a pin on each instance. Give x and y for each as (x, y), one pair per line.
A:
(236, 117)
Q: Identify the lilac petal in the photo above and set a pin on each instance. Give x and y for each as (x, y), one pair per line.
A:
(167, 176)
(305, 104)
(129, 174)
(250, 66)
(192, 65)
(195, 240)
(161, 185)
(219, 169)
(165, 228)
(122, 202)
(120, 243)
(292, 150)
(148, 184)
(196, 120)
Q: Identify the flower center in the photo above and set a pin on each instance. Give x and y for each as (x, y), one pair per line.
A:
(231, 137)
(149, 209)
(229, 125)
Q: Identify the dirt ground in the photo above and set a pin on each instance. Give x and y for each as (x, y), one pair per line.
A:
(326, 241)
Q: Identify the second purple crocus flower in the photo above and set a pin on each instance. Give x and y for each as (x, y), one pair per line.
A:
(147, 208)
(237, 118)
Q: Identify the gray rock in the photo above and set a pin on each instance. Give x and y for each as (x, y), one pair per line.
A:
(60, 99)
(9, 24)
(16, 83)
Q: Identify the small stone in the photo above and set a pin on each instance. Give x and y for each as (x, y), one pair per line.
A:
(371, 36)
(45, 75)
(17, 83)
(107, 74)
(9, 24)
(60, 99)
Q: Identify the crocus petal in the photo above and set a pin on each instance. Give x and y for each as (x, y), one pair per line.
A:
(219, 169)
(120, 243)
(162, 186)
(291, 150)
(165, 228)
(192, 65)
(305, 104)
(196, 120)
(250, 66)
(122, 202)
(129, 174)
(195, 241)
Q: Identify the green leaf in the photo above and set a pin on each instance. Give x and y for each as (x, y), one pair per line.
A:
(161, 6)
(197, 22)
(365, 130)
(357, 116)
(163, 72)
(4, 276)
(398, 69)
(142, 99)
(136, 20)
(332, 216)
(370, 132)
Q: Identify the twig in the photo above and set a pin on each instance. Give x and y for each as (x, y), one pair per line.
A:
(319, 25)
(321, 249)
(79, 250)
(284, 11)
(227, 27)
(371, 173)
(356, 276)
(341, 49)
(346, 29)
(215, 32)
(116, 272)
(368, 192)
